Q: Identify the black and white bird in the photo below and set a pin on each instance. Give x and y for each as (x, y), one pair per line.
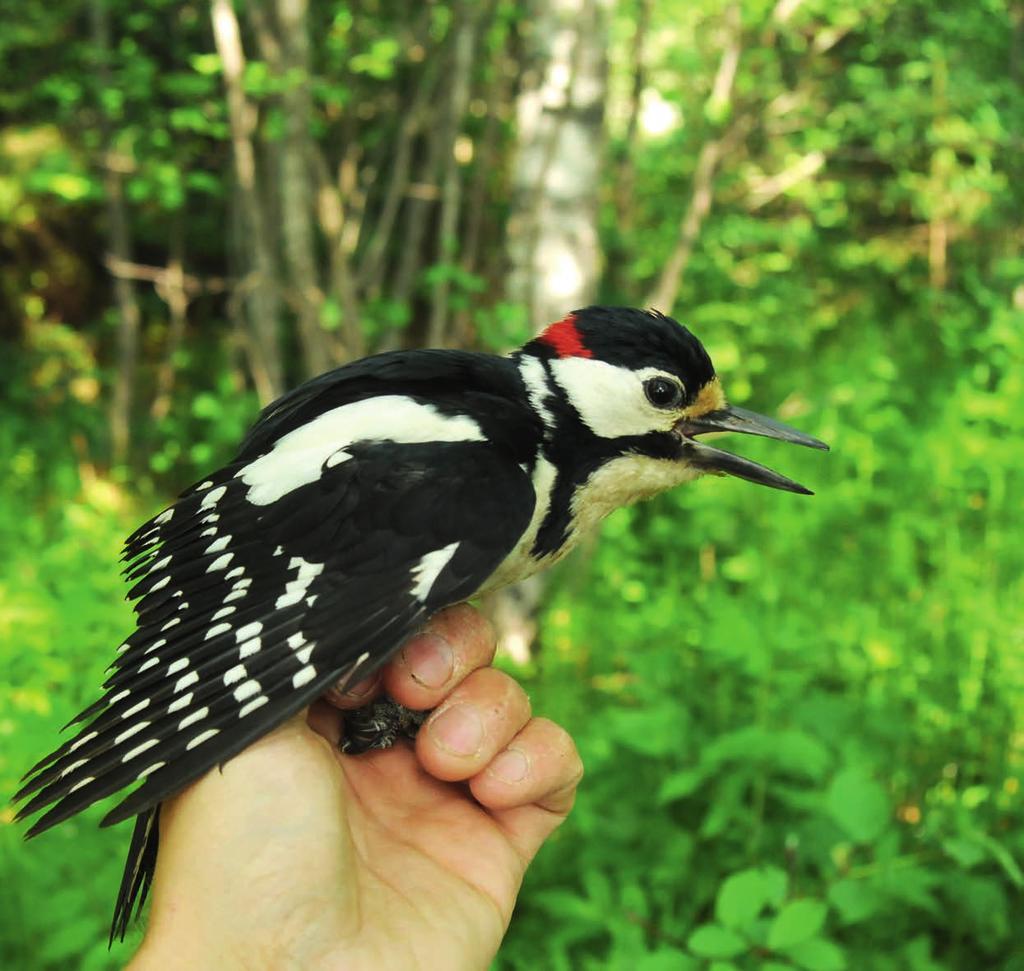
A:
(360, 504)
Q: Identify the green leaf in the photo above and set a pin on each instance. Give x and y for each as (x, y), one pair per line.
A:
(715, 941)
(817, 954)
(858, 804)
(679, 785)
(666, 959)
(744, 895)
(855, 900)
(798, 921)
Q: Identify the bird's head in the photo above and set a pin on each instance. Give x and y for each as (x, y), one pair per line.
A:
(640, 389)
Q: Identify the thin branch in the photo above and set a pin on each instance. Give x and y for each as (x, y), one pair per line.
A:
(263, 348)
(711, 154)
(451, 192)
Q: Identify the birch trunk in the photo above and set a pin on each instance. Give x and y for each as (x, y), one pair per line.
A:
(552, 236)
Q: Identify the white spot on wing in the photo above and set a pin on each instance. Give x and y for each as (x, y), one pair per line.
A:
(186, 682)
(252, 705)
(249, 648)
(202, 737)
(299, 457)
(237, 673)
(160, 584)
(217, 630)
(177, 666)
(247, 690)
(179, 703)
(140, 749)
(218, 544)
(426, 572)
(83, 740)
(249, 630)
(212, 498)
(164, 517)
(220, 563)
(75, 765)
(296, 589)
(150, 770)
(83, 782)
(129, 732)
(135, 709)
(223, 612)
(307, 674)
(193, 718)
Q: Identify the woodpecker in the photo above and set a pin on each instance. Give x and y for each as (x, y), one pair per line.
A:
(358, 505)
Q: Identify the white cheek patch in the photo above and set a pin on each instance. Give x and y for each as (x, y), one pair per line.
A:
(298, 458)
(610, 399)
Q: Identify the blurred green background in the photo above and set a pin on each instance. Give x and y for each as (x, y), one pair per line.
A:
(801, 718)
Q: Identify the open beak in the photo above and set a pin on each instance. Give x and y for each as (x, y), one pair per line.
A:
(733, 419)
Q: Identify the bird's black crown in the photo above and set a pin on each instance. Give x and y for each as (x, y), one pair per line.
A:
(631, 338)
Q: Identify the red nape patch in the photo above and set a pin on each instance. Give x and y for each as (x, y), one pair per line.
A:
(565, 338)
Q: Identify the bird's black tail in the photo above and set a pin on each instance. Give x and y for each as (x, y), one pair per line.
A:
(138, 871)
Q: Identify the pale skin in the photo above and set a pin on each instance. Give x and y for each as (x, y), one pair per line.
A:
(297, 857)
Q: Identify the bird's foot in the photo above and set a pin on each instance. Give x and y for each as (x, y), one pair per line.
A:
(379, 725)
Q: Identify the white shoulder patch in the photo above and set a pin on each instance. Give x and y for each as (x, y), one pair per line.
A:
(299, 457)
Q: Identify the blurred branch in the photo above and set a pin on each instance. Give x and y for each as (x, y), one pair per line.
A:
(711, 154)
(160, 277)
(625, 185)
(172, 290)
(331, 215)
(769, 189)
(262, 345)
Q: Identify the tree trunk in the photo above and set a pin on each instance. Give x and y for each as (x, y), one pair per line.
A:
(259, 285)
(119, 252)
(296, 197)
(552, 234)
(552, 230)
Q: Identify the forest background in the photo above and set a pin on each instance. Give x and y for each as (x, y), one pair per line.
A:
(802, 719)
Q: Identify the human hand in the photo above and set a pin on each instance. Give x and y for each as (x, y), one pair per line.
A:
(296, 856)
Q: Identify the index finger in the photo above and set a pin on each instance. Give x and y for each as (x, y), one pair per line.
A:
(454, 643)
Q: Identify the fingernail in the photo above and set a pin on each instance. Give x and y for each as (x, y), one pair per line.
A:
(430, 660)
(362, 688)
(511, 766)
(458, 730)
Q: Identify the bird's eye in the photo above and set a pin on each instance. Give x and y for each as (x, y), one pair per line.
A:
(663, 393)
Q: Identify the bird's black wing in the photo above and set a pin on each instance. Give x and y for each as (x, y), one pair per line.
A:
(272, 580)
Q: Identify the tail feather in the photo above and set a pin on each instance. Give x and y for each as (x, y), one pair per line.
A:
(138, 872)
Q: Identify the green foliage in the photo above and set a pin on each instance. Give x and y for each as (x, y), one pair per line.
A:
(801, 718)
